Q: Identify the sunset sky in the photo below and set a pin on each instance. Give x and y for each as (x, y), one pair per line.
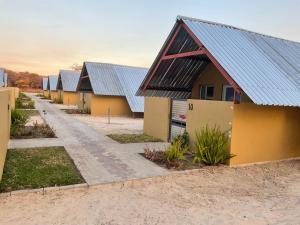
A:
(44, 36)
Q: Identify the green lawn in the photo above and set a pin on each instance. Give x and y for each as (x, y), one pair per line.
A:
(30, 112)
(133, 138)
(37, 168)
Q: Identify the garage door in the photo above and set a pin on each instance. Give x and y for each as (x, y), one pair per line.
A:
(178, 119)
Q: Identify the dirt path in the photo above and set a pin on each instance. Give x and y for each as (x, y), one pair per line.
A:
(264, 194)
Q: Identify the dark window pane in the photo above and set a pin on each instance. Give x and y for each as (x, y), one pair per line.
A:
(210, 92)
(202, 92)
(229, 94)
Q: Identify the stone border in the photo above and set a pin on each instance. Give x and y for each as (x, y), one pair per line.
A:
(44, 190)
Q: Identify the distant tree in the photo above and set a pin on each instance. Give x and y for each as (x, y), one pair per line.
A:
(76, 67)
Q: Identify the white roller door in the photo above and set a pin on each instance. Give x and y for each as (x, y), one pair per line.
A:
(178, 119)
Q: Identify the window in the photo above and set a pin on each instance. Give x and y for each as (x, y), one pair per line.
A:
(207, 92)
(228, 94)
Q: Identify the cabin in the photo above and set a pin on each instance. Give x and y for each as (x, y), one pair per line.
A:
(109, 89)
(3, 78)
(66, 86)
(45, 87)
(51, 87)
(246, 83)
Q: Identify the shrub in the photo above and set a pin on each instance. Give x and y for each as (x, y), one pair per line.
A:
(58, 101)
(18, 119)
(174, 152)
(183, 138)
(154, 155)
(212, 146)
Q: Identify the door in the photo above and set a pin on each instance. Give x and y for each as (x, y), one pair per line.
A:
(178, 118)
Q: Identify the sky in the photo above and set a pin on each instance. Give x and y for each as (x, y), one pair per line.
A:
(44, 36)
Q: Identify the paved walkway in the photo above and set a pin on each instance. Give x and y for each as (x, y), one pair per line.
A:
(98, 158)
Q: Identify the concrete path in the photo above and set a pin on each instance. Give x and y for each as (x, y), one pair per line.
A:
(36, 142)
(98, 158)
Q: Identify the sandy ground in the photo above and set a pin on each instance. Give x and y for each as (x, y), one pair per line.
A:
(262, 194)
(118, 125)
(35, 119)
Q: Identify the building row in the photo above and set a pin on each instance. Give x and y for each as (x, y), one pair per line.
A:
(206, 74)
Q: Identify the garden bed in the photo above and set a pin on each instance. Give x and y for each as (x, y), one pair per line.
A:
(133, 138)
(35, 131)
(38, 167)
(158, 158)
(24, 102)
(76, 111)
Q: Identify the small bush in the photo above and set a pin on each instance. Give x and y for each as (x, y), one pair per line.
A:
(57, 101)
(183, 138)
(19, 118)
(174, 152)
(154, 155)
(212, 147)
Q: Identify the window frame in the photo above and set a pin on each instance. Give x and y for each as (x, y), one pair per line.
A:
(205, 93)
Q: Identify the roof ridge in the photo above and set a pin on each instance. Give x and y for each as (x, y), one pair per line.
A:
(114, 64)
(233, 27)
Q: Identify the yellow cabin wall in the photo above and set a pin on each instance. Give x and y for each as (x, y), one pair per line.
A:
(54, 95)
(70, 98)
(157, 117)
(85, 100)
(210, 113)
(5, 113)
(118, 106)
(46, 93)
(264, 133)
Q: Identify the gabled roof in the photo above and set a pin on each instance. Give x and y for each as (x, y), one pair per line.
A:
(45, 83)
(68, 80)
(52, 82)
(2, 77)
(266, 68)
(115, 80)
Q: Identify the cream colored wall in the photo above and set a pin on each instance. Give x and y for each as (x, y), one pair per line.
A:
(14, 94)
(5, 96)
(86, 103)
(118, 106)
(46, 93)
(157, 117)
(211, 113)
(264, 133)
(54, 95)
(210, 76)
(70, 98)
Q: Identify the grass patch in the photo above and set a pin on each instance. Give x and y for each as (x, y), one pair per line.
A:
(37, 168)
(36, 131)
(30, 112)
(133, 138)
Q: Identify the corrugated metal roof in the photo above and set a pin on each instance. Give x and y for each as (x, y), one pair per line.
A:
(2, 74)
(45, 83)
(117, 80)
(266, 68)
(52, 82)
(69, 79)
